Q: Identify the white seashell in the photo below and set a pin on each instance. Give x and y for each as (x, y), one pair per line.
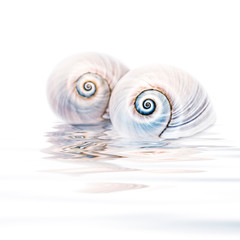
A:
(160, 101)
(80, 87)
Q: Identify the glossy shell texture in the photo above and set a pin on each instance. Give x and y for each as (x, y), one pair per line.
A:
(160, 101)
(79, 88)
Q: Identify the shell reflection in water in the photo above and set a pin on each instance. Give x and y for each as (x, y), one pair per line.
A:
(108, 163)
(80, 87)
(161, 101)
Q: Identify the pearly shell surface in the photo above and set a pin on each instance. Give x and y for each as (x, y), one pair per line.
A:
(80, 87)
(160, 101)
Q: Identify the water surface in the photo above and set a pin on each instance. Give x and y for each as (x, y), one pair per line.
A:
(90, 183)
(130, 164)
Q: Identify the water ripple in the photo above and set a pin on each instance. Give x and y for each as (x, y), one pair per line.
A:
(97, 149)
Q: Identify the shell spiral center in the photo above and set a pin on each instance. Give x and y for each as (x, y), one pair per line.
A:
(145, 106)
(86, 86)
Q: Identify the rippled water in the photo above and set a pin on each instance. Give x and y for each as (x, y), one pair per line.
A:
(93, 184)
(111, 163)
(188, 186)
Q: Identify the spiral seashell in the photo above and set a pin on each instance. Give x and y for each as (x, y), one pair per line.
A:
(80, 87)
(160, 101)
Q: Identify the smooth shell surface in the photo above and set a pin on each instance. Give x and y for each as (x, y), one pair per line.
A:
(160, 101)
(80, 87)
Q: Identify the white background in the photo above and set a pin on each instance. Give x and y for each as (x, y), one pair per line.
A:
(201, 37)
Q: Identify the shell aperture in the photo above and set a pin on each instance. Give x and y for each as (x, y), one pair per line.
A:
(159, 101)
(79, 88)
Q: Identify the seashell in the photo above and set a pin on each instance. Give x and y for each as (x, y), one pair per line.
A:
(80, 87)
(160, 101)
